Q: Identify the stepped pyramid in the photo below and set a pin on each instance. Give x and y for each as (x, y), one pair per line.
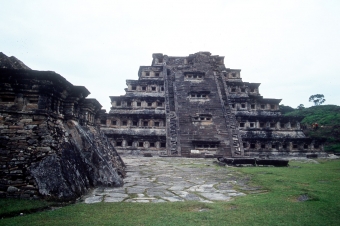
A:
(194, 106)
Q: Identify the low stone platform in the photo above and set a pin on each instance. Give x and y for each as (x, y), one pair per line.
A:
(157, 179)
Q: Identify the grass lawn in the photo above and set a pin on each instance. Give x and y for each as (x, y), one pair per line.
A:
(13, 207)
(320, 183)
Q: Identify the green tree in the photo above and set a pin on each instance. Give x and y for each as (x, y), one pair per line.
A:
(317, 99)
(301, 106)
(285, 109)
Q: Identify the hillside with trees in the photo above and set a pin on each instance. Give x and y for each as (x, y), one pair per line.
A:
(328, 119)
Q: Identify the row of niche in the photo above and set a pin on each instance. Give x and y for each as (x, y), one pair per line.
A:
(237, 89)
(138, 144)
(117, 122)
(239, 106)
(201, 75)
(280, 146)
(206, 146)
(194, 76)
(232, 75)
(10, 99)
(135, 103)
(273, 125)
(146, 88)
(203, 94)
(55, 105)
(247, 106)
(201, 118)
(247, 124)
(155, 74)
(191, 60)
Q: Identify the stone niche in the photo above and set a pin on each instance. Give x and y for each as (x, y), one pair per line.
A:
(50, 142)
(194, 106)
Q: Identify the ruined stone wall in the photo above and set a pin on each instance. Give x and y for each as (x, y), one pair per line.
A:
(208, 110)
(205, 125)
(274, 135)
(200, 117)
(136, 122)
(51, 145)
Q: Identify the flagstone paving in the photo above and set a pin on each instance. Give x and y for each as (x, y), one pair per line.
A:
(157, 179)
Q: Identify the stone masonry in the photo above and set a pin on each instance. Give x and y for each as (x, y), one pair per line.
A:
(50, 142)
(194, 106)
(174, 179)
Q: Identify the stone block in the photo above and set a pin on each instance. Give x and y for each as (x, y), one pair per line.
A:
(94, 199)
(44, 149)
(12, 189)
(16, 127)
(4, 131)
(25, 196)
(26, 120)
(32, 141)
(24, 131)
(39, 117)
(30, 127)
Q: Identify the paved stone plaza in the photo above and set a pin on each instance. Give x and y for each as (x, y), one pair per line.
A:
(157, 179)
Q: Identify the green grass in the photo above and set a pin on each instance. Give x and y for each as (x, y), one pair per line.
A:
(11, 207)
(278, 206)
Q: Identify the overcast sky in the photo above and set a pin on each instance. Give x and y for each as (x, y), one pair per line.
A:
(290, 47)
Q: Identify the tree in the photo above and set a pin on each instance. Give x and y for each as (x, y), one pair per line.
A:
(300, 107)
(318, 99)
(285, 109)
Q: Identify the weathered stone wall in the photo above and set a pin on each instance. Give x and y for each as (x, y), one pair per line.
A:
(204, 123)
(198, 107)
(11, 62)
(50, 142)
(41, 155)
(136, 122)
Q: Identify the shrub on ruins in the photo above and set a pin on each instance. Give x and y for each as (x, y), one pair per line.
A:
(328, 119)
(326, 115)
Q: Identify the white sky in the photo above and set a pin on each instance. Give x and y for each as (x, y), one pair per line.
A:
(291, 47)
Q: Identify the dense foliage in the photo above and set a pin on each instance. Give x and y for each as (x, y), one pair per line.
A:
(328, 119)
(286, 109)
(326, 115)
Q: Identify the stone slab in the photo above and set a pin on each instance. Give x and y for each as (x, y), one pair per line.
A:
(171, 180)
(94, 199)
